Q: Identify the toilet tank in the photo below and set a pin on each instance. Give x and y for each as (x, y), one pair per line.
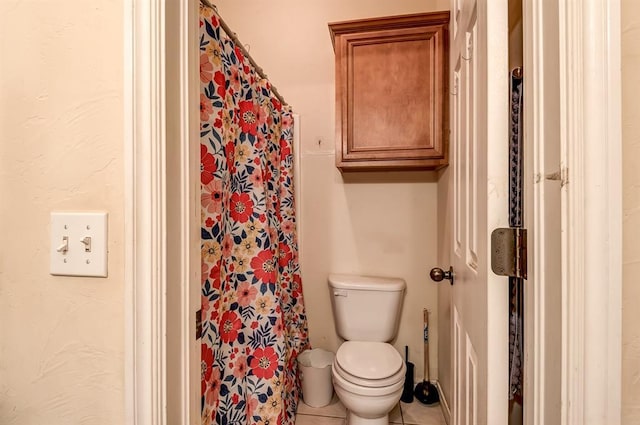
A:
(366, 308)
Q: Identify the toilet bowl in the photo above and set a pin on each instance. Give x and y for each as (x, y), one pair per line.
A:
(368, 378)
(368, 372)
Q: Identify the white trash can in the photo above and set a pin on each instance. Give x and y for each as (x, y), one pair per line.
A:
(315, 374)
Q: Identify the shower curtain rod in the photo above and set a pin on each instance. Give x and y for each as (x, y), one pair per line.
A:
(234, 37)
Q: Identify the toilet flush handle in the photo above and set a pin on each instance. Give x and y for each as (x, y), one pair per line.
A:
(437, 274)
(339, 293)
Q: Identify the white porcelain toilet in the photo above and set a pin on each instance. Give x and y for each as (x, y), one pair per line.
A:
(368, 372)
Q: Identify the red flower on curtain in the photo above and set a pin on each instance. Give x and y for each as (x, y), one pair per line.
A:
(231, 324)
(207, 165)
(285, 255)
(296, 286)
(277, 105)
(285, 150)
(230, 154)
(249, 117)
(214, 275)
(220, 79)
(264, 362)
(238, 53)
(241, 207)
(206, 361)
(264, 267)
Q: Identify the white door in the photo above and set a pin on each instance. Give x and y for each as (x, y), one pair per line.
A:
(479, 138)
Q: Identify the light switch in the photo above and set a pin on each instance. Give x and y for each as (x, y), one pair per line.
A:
(79, 244)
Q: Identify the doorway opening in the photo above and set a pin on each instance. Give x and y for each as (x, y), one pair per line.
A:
(146, 350)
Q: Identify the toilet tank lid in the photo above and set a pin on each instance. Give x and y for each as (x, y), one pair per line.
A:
(366, 283)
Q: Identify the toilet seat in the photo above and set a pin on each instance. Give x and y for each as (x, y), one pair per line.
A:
(341, 385)
(369, 364)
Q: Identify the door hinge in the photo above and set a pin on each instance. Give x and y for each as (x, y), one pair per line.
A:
(198, 324)
(509, 252)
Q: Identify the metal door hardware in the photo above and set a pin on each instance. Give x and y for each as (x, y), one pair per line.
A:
(509, 252)
(437, 274)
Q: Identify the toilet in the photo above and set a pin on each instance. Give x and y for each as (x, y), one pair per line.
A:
(368, 372)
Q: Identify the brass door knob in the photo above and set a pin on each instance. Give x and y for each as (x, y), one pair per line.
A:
(437, 274)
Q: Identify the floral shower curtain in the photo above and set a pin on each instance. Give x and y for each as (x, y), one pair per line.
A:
(254, 322)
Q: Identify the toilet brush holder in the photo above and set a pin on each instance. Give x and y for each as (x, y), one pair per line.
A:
(407, 392)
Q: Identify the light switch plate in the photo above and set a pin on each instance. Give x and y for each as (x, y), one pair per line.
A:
(79, 244)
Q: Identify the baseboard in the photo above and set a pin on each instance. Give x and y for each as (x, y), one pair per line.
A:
(446, 412)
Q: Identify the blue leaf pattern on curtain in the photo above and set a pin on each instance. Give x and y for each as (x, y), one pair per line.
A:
(254, 322)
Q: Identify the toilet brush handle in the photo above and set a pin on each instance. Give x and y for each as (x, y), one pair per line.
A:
(426, 344)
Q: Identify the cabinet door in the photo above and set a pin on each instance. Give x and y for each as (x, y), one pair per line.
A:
(391, 92)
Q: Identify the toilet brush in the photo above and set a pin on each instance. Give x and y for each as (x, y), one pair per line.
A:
(425, 391)
(407, 392)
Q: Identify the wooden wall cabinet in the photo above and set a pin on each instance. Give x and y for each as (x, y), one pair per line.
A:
(392, 92)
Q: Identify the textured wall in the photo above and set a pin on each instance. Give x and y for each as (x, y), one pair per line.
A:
(61, 113)
(377, 223)
(631, 211)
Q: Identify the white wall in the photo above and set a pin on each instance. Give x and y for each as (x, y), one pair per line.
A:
(374, 223)
(61, 115)
(631, 212)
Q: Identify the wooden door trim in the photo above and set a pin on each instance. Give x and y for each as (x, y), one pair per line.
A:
(145, 280)
(592, 219)
(160, 212)
(589, 173)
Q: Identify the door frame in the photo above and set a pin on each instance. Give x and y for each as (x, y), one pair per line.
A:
(590, 166)
(592, 153)
(590, 177)
(162, 214)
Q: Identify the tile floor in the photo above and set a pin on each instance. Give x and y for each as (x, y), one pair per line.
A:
(404, 413)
